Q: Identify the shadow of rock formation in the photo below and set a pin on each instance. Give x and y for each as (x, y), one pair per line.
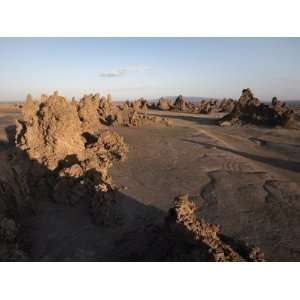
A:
(197, 120)
(275, 162)
(46, 217)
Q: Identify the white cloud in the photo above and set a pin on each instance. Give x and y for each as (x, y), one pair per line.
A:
(115, 73)
(121, 72)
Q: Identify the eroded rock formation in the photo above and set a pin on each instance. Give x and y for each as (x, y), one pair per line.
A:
(164, 104)
(95, 112)
(88, 111)
(202, 107)
(50, 131)
(227, 105)
(70, 158)
(182, 218)
(250, 110)
(180, 103)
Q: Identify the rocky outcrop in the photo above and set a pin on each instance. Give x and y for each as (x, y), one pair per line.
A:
(50, 131)
(61, 154)
(135, 115)
(180, 104)
(164, 104)
(183, 105)
(250, 110)
(182, 220)
(202, 107)
(96, 112)
(139, 105)
(227, 105)
(88, 111)
(207, 106)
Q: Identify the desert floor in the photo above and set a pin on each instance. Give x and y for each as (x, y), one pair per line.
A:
(245, 179)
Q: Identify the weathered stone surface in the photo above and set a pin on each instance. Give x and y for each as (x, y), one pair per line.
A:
(88, 113)
(50, 131)
(65, 151)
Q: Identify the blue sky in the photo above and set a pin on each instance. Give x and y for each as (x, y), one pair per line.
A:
(150, 67)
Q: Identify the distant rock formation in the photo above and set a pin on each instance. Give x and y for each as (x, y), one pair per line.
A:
(250, 110)
(208, 106)
(164, 104)
(96, 112)
(180, 104)
(227, 105)
(203, 107)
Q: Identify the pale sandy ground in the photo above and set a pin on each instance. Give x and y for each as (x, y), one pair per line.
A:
(245, 179)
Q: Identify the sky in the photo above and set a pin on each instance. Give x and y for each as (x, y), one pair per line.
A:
(129, 68)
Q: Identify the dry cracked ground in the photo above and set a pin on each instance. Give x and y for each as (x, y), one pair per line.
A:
(244, 179)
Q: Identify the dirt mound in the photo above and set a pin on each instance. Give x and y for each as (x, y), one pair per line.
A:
(182, 217)
(250, 110)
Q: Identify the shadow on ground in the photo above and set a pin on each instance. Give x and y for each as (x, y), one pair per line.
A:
(58, 220)
(197, 119)
(275, 162)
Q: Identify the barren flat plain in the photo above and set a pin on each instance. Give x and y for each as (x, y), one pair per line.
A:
(246, 179)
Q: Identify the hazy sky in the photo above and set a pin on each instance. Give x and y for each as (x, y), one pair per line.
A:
(150, 67)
